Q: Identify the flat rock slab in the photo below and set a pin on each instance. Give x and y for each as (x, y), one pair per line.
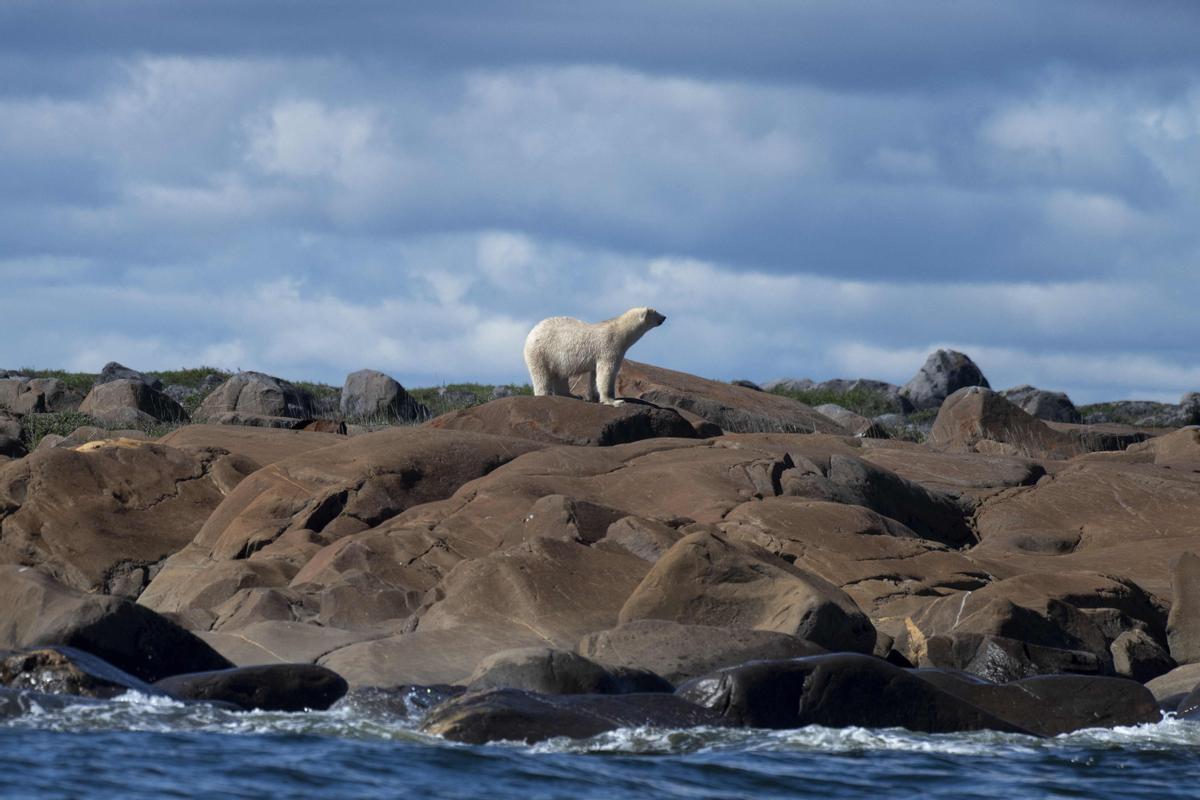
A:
(261, 445)
(563, 420)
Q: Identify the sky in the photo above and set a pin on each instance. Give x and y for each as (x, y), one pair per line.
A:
(805, 188)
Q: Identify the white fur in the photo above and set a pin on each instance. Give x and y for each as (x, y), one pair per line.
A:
(559, 348)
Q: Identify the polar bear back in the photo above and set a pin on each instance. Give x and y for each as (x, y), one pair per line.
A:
(568, 346)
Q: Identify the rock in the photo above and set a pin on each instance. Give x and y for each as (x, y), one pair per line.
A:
(23, 396)
(564, 420)
(548, 671)
(121, 401)
(855, 423)
(1137, 655)
(112, 371)
(39, 611)
(1179, 449)
(16, 703)
(681, 652)
(847, 479)
(1170, 689)
(67, 670)
(557, 516)
(256, 394)
(645, 538)
(260, 445)
(732, 408)
(789, 385)
(1189, 707)
(280, 642)
(267, 687)
(747, 385)
(516, 716)
(836, 691)
(11, 445)
(1001, 659)
(1183, 623)
(95, 517)
(371, 394)
(502, 391)
(943, 374)
(1050, 705)
(708, 579)
(971, 419)
(954, 473)
(1053, 406)
(1139, 413)
(1189, 406)
(397, 702)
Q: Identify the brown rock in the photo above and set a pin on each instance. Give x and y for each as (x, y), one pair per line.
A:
(549, 671)
(1137, 655)
(1174, 686)
(975, 415)
(261, 445)
(564, 420)
(734, 409)
(130, 402)
(681, 652)
(257, 395)
(1183, 624)
(707, 579)
(36, 396)
(645, 538)
(1179, 449)
(953, 472)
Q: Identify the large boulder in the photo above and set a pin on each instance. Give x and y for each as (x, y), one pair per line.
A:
(102, 519)
(113, 371)
(516, 716)
(266, 687)
(943, 374)
(1172, 687)
(734, 408)
(1051, 406)
(11, 444)
(837, 691)
(22, 395)
(680, 652)
(976, 419)
(1178, 449)
(36, 610)
(255, 394)
(855, 423)
(564, 420)
(549, 671)
(122, 401)
(369, 394)
(709, 579)
(1183, 623)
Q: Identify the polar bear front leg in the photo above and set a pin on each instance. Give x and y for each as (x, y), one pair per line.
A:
(606, 383)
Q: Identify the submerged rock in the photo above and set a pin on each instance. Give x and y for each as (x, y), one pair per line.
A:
(267, 687)
(67, 670)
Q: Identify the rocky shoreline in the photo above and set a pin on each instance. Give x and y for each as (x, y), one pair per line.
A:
(708, 554)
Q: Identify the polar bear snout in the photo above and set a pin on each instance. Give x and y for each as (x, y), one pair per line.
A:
(654, 318)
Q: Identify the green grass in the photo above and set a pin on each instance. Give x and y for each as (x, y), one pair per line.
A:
(80, 382)
(190, 377)
(35, 427)
(472, 394)
(861, 401)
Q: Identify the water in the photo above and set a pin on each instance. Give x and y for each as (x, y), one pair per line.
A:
(135, 747)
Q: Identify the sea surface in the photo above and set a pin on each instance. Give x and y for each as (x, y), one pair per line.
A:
(137, 747)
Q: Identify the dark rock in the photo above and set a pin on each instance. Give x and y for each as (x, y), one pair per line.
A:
(39, 611)
(372, 394)
(513, 715)
(1183, 623)
(1189, 706)
(1000, 659)
(112, 371)
(257, 395)
(837, 691)
(747, 385)
(67, 670)
(564, 420)
(1052, 406)
(709, 579)
(548, 671)
(645, 538)
(944, 372)
(680, 652)
(267, 687)
(1050, 705)
(11, 444)
(1137, 655)
(122, 401)
(398, 702)
(16, 703)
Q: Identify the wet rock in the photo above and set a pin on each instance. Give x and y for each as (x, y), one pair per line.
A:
(372, 394)
(1050, 705)
(733, 408)
(67, 670)
(516, 716)
(16, 703)
(943, 374)
(266, 687)
(128, 402)
(564, 420)
(398, 702)
(256, 394)
(680, 652)
(709, 579)
(35, 610)
(548, 671)
(837, 691)
(1000, 659)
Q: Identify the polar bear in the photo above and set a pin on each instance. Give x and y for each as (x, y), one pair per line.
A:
(559, 348)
